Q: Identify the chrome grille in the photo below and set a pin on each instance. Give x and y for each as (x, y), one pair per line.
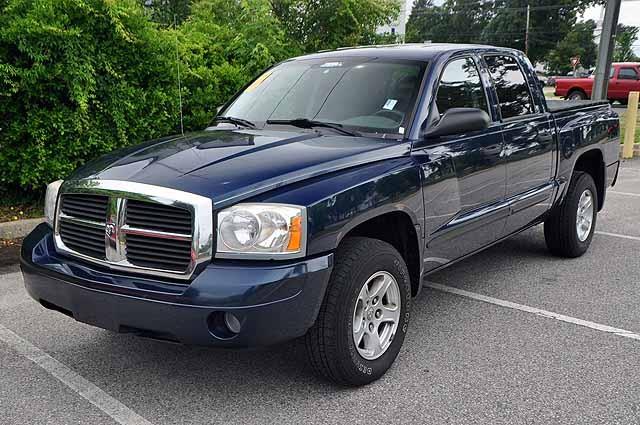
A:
(158, 217)
(133, 226)
(158, 253)
(82, 223)
(85, 207)
(86, 239)
(155, 250)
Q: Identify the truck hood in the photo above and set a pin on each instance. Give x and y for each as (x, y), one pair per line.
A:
(231, 165)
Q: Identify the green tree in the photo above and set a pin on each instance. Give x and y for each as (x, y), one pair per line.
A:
(329, 24)
(501, 22)
(222, 46)
(451, 22)
(166, 12)
(626, 37)
(578, 42)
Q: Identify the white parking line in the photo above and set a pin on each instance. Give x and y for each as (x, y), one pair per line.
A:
(637, 195)
(533, 310)
(103, 401)
(618, 235)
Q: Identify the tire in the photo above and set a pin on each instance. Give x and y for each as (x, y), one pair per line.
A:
(561, 232)
(330, 343)
(577, 95)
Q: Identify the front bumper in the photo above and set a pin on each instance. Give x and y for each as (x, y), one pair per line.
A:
(274, 302)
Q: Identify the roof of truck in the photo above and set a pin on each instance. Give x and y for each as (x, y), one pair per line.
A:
(411, 51)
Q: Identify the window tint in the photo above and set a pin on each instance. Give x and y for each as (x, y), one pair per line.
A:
(460, 87)
(366, 94)
(511, 86)
(627, 74)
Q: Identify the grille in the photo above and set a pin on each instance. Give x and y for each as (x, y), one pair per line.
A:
(162, 218)
(85, 239)
(129, 226)
(85, 207)
(158, 253)
(82, 228)
(155, 250)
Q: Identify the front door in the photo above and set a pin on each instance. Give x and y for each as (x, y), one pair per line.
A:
(528, 143)
(624, 82)
(464, 175)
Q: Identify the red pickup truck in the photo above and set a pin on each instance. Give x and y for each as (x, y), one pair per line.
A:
(624, 78)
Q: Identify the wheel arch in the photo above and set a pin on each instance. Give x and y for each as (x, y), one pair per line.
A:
(592, 163)
(397, 227)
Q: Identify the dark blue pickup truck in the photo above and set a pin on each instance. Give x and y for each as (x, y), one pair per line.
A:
(318, 200)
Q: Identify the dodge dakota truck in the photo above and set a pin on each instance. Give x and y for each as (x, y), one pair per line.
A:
(319, 198)
(623, 79)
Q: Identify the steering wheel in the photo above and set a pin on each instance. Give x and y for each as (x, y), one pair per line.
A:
(396, 116)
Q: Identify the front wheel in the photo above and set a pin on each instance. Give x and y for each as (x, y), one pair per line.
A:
(365, 314)
(569, 229)
(577, 95)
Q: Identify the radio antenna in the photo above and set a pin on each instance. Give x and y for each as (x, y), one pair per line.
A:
(175, 27)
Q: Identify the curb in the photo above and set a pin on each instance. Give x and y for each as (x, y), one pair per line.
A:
(19, 228)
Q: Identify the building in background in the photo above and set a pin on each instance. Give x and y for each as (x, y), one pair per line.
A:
(399, 26)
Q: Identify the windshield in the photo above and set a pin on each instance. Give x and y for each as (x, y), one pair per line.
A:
(364, 94)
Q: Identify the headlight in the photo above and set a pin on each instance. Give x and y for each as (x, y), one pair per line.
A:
(261, 231)
(50, 201)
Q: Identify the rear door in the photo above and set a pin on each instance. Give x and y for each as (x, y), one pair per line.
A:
(464, 189)
(528, 141)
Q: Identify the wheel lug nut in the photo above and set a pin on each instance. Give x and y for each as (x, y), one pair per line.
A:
(370, 327)
(378, 314)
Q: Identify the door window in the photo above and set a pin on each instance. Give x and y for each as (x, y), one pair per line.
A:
(460, 87)
(627, 74)
(511, 86)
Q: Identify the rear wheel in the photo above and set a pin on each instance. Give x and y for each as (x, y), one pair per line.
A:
(577, 95)
(569, 229)
(364, 317)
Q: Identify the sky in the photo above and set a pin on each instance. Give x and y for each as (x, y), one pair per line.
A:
(629, 14)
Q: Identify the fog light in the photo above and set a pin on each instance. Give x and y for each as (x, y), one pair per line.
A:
(232, 322)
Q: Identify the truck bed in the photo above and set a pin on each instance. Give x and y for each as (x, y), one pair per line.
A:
(570, 105)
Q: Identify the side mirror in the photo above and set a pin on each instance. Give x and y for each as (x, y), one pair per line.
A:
(458, 121)
(218, 109)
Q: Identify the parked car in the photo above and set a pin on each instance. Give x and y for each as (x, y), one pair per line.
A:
(319, 199)
(624, 78)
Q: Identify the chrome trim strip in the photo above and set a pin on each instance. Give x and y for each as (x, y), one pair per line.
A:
(201, 209)
(126, 229)
(65, 217)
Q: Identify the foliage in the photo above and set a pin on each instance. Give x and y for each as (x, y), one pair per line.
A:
(77, 78)
(626, 37)
(167, 12)
(500, 22)
(222, 46)
(578, 42)
(329, 24)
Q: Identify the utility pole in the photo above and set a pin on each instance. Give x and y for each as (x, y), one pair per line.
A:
(526, 34)
(605, 50)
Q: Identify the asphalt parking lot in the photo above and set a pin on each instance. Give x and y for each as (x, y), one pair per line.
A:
(527, 338)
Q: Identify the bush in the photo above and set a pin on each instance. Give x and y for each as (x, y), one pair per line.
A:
(79, 78)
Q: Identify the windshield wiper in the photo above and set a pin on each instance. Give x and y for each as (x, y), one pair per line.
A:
(236, 121)
(307, 123)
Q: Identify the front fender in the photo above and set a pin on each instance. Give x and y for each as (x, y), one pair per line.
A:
(339, 202)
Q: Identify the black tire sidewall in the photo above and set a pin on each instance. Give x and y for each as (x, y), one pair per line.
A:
(357, 367)
(583, 182)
